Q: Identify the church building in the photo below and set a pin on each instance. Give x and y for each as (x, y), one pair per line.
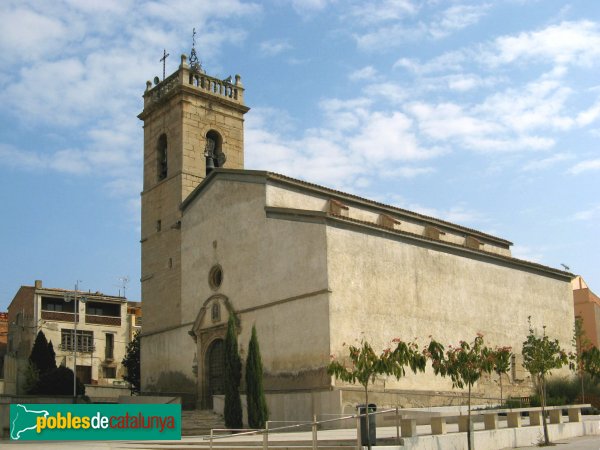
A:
(311, 267)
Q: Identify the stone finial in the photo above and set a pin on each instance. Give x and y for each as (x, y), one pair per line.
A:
(184, 63)
(238, 80)
(148, 85)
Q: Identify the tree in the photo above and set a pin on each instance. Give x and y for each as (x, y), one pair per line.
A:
(233, 376)
(255, 394)
(464, 365)
(32, 378)
(502, 357)
(42, 360)
(58, 381)
(42, 354)
(131, 361)
(365, 365)
(541, 355)
(591, 362)
(581, 344)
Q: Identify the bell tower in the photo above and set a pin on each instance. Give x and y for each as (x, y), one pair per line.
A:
(192, 123)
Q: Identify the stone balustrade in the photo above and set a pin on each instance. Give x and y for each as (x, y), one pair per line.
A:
(229, 89)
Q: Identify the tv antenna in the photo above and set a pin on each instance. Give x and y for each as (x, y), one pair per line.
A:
(124, 280)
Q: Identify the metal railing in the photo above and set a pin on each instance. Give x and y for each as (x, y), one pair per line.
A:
(314, 429)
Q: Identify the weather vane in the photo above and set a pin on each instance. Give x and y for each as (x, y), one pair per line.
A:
(195, 64)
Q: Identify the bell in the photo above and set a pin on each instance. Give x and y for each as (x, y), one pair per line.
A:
(210, 164)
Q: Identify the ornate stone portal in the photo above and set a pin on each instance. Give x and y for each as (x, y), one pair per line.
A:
(208, 331)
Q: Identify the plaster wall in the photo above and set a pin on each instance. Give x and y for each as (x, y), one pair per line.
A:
(167, 360)
(274, 277)
(590, 313)
(385, 287)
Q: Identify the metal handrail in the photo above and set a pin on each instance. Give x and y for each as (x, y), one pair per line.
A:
(265, 431)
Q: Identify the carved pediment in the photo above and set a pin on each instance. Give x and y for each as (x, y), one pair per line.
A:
(215, 311)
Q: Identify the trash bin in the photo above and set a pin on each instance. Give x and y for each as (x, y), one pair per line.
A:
(363, 425)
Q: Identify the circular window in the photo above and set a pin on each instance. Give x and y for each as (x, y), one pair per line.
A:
(215, 277)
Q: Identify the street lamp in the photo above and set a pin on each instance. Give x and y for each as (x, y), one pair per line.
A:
(76, 298)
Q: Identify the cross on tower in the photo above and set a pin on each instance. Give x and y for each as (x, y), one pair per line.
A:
(164, 61)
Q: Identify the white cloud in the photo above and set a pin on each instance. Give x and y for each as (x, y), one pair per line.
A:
(407, 171)
(389, 92)
(545, 163)
(377, 12)
(456, 18)
(385, 24)
(366, 73)
(354, 140)
(539, 105)
(591, 213)
(585, 166)
(565, 43)
(389, 137)
(274, 47)
(452, 61)
(308, 6)
(449, 120)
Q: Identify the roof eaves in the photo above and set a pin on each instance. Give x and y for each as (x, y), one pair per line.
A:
(286, 179)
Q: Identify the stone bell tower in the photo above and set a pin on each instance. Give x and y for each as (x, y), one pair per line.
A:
(192, 122)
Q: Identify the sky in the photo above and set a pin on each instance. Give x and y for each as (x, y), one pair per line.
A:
(486, 114)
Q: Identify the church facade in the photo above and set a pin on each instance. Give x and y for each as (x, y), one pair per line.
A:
(311, 267)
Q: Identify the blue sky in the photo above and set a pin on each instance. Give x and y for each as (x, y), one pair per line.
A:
(486, 114)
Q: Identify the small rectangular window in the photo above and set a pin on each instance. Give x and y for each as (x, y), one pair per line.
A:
(109, 349)
(110, 372)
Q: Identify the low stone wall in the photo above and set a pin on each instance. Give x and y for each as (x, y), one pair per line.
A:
(146, 399)
(105, 394)
(500, 438)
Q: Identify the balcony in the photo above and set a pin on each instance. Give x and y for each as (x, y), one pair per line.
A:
(102, 320)
(57, 316)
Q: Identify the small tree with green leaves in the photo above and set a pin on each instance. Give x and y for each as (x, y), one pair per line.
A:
(502, 356)
(131, 361)
(366, 365)
(464, 365)
(581, 343)
(541, 355)
(591, 362)
(233, 376)
(258, 413)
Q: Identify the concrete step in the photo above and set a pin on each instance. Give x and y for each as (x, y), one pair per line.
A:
(199, 422)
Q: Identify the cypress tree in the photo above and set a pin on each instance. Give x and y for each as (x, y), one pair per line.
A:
(42, 354)
(131, 362)
(51, 355)
(255, 394)
(233, 376)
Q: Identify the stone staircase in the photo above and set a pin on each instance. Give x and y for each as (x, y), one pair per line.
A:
(198, 422)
